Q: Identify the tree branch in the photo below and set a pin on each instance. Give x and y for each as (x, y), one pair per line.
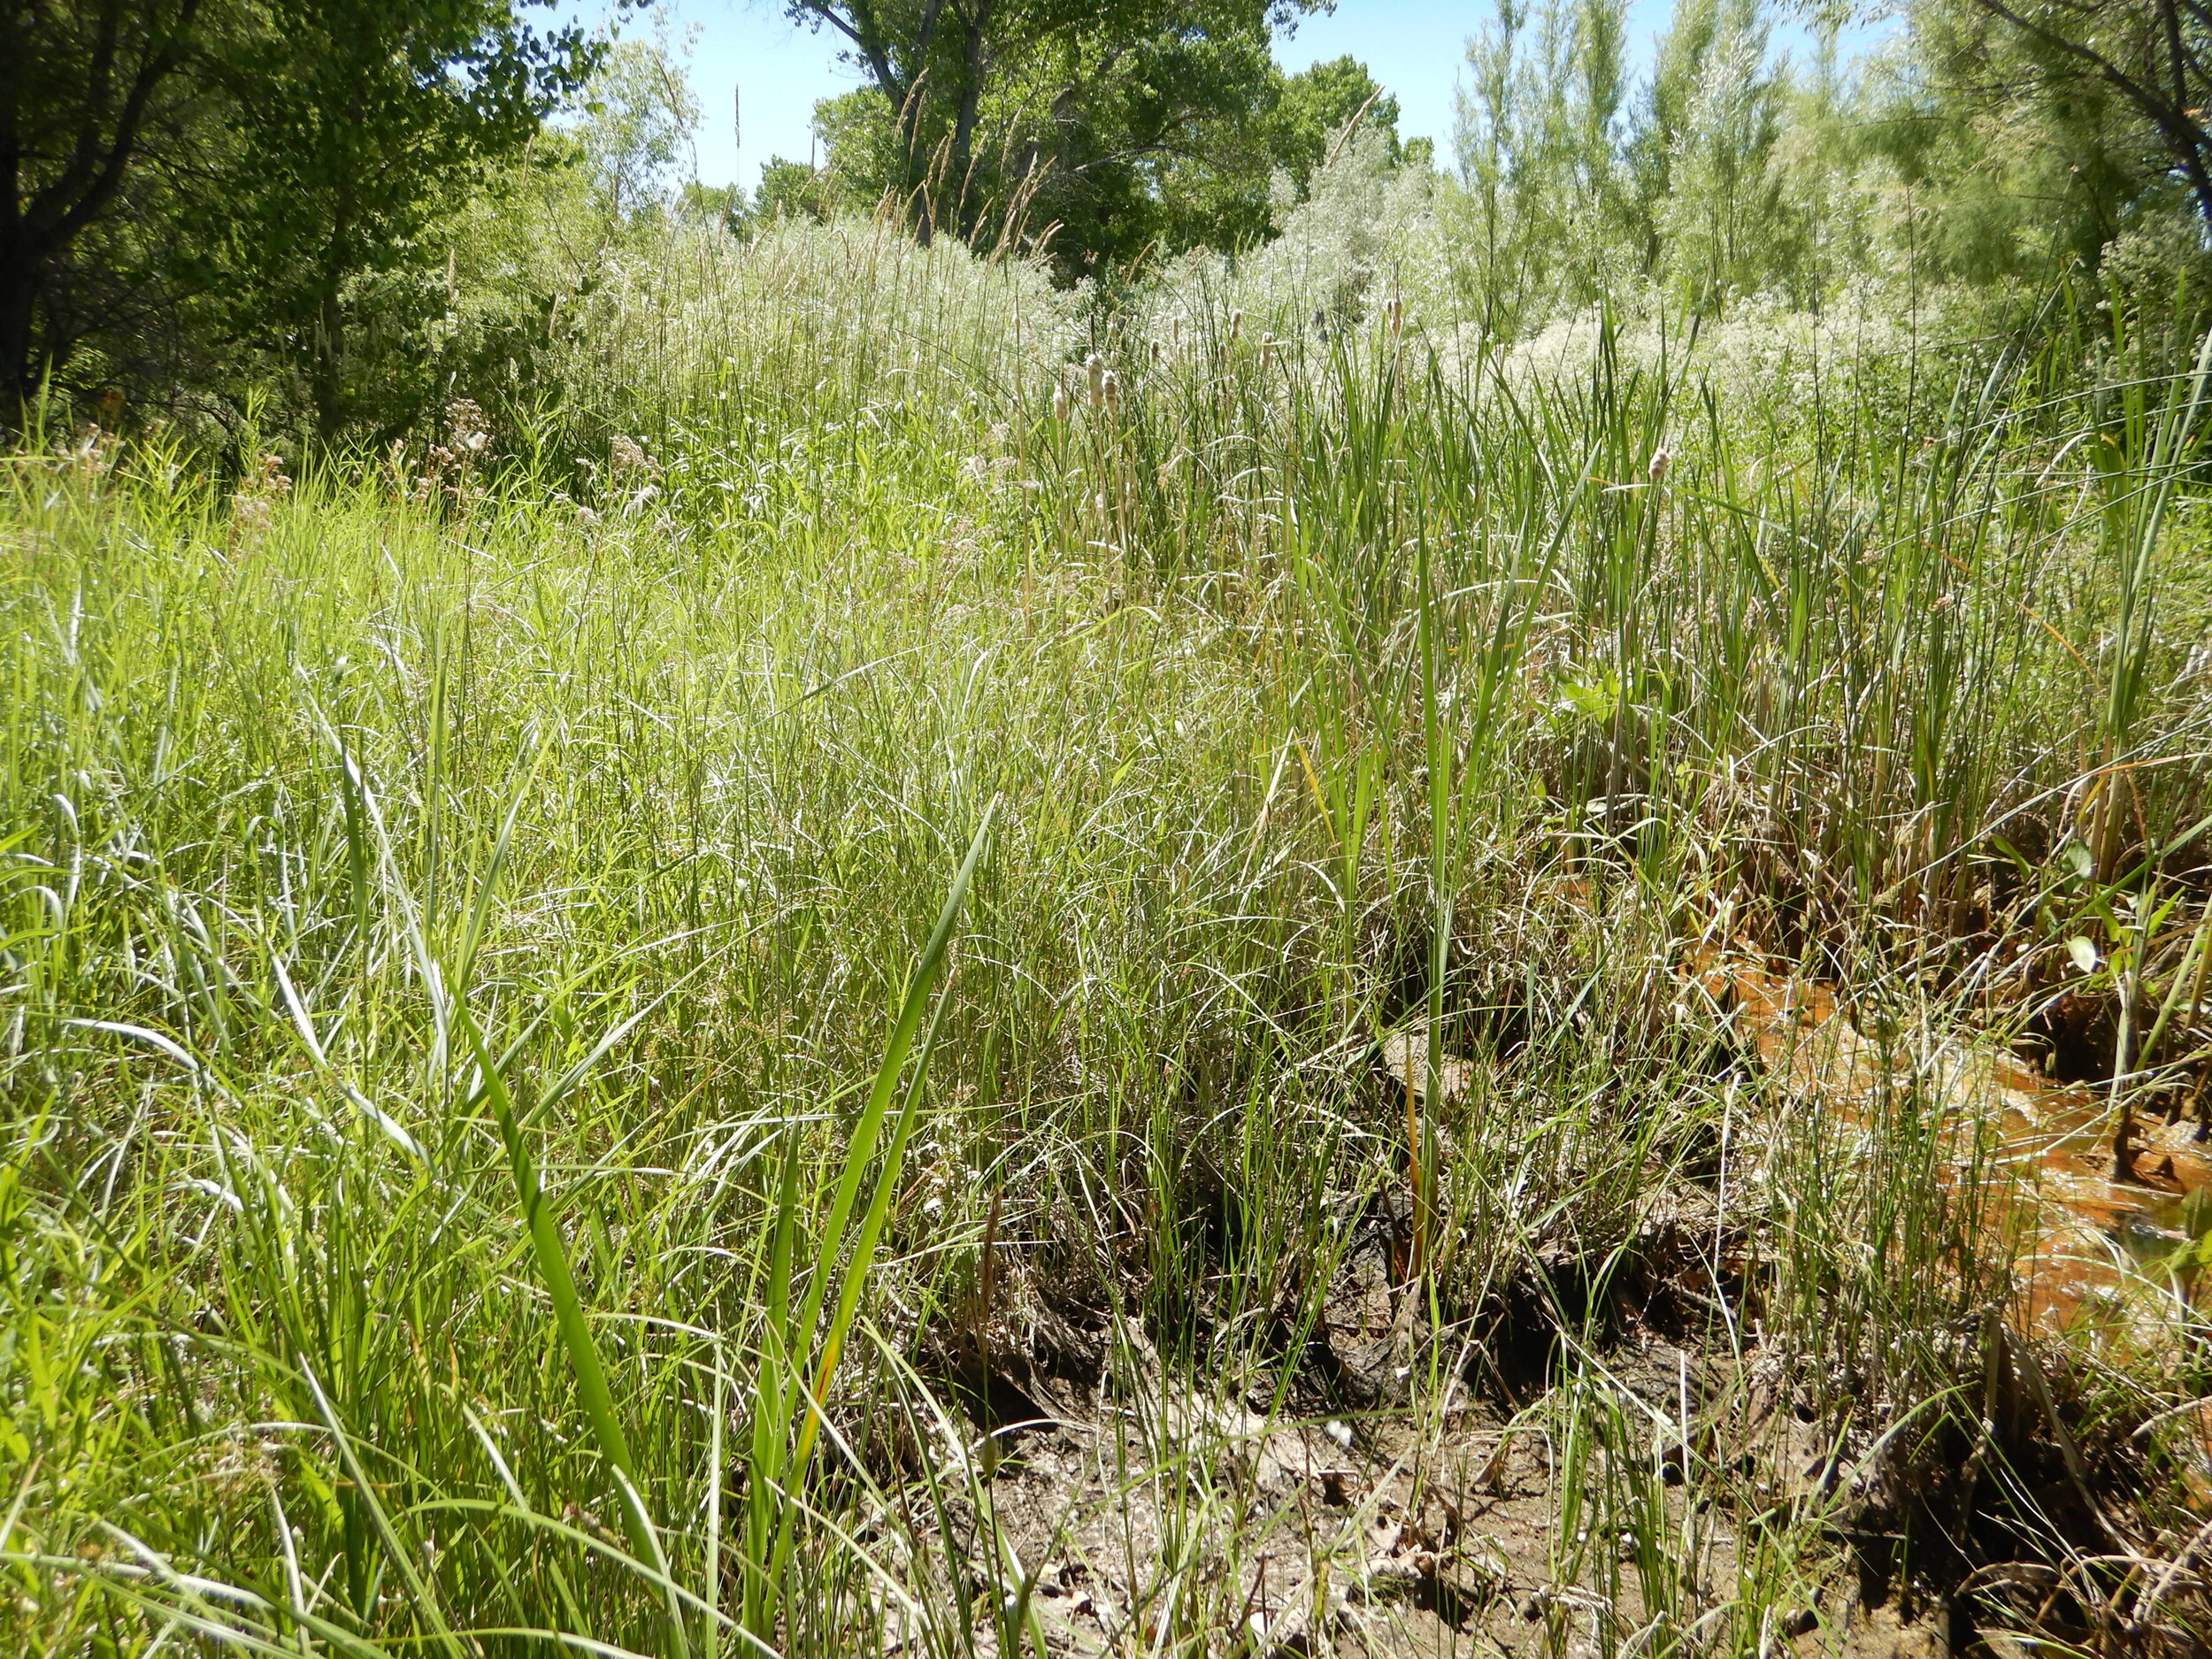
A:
(2178, 128)
(51, 218)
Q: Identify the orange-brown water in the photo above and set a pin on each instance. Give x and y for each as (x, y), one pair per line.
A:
(2089, 1238)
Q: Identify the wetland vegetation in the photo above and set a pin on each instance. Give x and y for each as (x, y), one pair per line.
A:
(1479, 923)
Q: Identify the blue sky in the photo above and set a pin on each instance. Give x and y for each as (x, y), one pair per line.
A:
(749, 48)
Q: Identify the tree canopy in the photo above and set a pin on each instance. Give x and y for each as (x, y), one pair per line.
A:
(1098, 131)
(238, 169)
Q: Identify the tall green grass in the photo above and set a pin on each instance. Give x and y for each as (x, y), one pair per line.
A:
(447, 946)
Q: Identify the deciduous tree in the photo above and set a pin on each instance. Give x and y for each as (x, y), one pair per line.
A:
(358, 122)
(981, 113)
(240, 164)
(93, 94)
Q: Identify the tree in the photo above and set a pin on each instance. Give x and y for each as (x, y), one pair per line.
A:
(1095, 133)
(2154, 56)
(1140, 130)
(358, 122)
(2005, 159)
(234, 167)
(642, 117)
(93, 93)
(1709, 204)
(790, 189)
(1219, 187)
(923, 56)
(1541, 153)
(983, 114)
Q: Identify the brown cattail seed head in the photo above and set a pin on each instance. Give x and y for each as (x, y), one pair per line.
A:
(1158, 351)
(1096, 365)
(1060, 404)
(1659, 460)
(1110, 385)
(1236, 325)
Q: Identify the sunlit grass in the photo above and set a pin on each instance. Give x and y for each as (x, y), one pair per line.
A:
(448, 948)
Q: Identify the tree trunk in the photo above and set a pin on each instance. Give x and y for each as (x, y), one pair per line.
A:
(2186, 137)
(19, 303)
(39, 222)
(18, 276)
(975, 26)
(905, 98)
(906, 115)
(2170, 95)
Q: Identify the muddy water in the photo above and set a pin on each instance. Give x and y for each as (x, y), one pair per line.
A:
(2088, 1236)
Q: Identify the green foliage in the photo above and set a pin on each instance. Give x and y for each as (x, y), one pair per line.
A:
(359, 122)
(2006, 169)
(2133, 78)
(263, 217)
(1099, 134)
(640, 114)
(1232, 197)
(1965, 161)
(347, 217)
(103, 118)
(1708, 198)
(791, 189)
(1545, 205)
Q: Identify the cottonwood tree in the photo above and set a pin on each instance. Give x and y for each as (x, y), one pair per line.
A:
(1091, 102)
(358, 121)
(1173, 139)
(237, 166)
(924, 57)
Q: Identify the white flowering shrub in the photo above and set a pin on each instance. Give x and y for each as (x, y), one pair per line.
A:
(1367, 233)
(1378, 251)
